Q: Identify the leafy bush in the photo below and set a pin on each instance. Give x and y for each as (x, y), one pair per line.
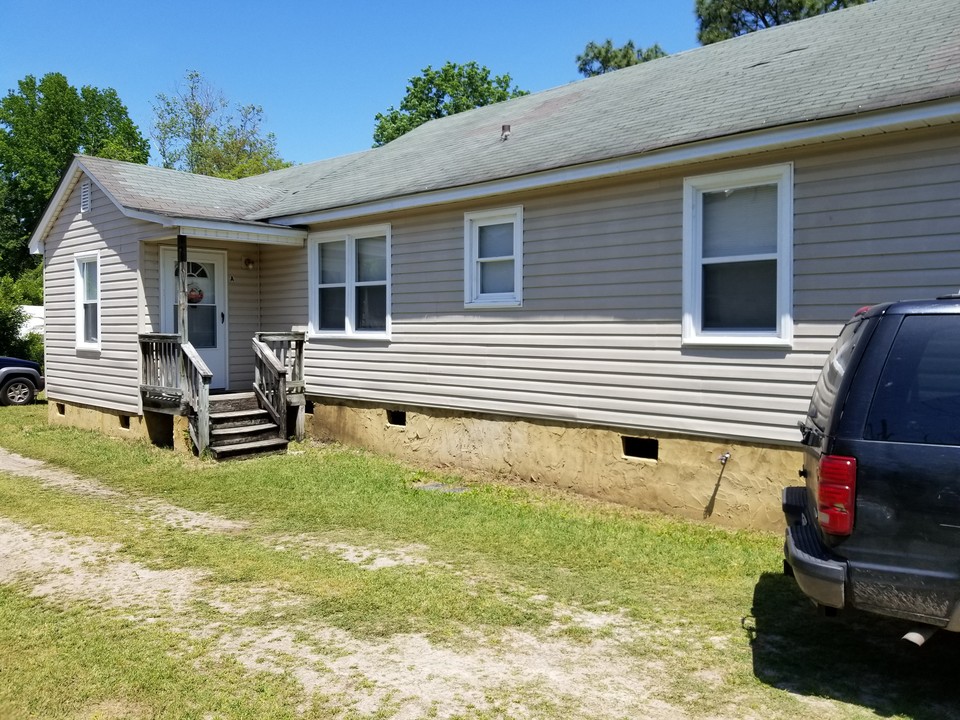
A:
(12, 318)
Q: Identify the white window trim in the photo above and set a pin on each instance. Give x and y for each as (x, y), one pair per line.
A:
(693, 190)
(78, 294)
(349, 236)
(472, 221)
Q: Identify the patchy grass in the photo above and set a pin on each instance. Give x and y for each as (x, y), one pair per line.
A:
(698, 617)
(74, 663)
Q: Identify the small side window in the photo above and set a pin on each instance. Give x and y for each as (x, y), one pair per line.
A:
(87, 300)
(493, 253)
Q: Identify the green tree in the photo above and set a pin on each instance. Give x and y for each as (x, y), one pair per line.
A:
(723, 19)
(598, 59)
(42, 124)
(195, 131)
(438, 93)
(12, 318)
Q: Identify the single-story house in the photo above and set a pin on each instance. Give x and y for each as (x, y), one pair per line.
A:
(624, 286)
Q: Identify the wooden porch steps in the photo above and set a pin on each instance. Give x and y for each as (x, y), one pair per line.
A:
(240, 429)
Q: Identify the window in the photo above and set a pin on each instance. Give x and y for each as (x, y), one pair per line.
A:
(918, 397)
(737, 257)
(87, 294)
(350, 274)
(493, 266)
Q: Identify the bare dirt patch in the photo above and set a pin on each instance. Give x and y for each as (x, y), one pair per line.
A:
(367, 557)
(406, 675)
(156, 509)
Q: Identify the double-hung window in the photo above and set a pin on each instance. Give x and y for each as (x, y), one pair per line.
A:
(350, 281)
(87, 300)
(737, 258)
(493, 252)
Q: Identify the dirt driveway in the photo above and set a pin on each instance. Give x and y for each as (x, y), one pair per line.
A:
(402, 676)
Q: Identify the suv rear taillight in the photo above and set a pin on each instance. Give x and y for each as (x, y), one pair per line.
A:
(836, 494)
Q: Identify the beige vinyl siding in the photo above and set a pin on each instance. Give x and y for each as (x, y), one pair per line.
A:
(283, 279)
(108, 377)
(243, 301)
(597, 340)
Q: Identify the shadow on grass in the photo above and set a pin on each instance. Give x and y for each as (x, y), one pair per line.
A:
(855, 658)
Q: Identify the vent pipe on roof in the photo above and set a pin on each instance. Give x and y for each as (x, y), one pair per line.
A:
(504, 132)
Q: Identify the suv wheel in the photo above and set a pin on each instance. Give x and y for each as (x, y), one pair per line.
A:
(18, 391)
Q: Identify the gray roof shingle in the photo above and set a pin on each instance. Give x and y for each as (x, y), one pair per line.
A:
(881, 55)
(884, 54)
(178, 194)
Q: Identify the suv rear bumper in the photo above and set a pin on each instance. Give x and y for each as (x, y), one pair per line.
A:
(820, 575)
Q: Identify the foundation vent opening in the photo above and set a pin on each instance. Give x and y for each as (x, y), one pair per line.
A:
(61, 409)
(642, 448)
(124, 422)
(397, 417)
(308, 407)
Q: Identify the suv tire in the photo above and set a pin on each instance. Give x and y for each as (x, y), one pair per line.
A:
(17, 391)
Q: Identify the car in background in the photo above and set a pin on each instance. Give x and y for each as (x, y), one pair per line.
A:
(877, 525)
(20, 381)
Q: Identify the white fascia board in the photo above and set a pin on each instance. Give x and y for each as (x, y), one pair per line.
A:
(225, 230)
(213, 230)
(926, 115)
(54, 206)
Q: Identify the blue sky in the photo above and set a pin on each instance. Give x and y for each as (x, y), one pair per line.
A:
(321, 70)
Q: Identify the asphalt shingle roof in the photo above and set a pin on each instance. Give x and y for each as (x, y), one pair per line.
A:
(178, 194)
(881, 55)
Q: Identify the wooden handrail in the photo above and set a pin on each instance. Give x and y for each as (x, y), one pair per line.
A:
(174, 371)
(287, 347)
(196, 392)
(270, 383)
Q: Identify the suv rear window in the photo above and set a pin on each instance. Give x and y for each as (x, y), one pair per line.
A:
(828, 385)
(918, 397)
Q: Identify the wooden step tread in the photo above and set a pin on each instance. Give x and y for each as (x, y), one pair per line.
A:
(224, 397)
(241, 429)
(234, 414)
(249, 449)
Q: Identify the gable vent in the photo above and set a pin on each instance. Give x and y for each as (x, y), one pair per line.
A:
(85, 196)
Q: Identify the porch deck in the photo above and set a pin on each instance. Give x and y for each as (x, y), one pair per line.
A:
(175, 380)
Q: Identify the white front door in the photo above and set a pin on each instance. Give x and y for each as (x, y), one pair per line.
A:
(206, 305)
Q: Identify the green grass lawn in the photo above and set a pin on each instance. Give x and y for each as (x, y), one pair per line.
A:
(702, 615)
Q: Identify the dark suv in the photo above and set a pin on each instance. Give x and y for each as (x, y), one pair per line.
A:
(877, 526)
(20, 380)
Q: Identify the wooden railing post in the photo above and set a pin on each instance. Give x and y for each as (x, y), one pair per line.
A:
(196, 392)
(281, 350)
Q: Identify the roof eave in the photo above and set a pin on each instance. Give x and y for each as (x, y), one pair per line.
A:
(856, 125)
(256, 232)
